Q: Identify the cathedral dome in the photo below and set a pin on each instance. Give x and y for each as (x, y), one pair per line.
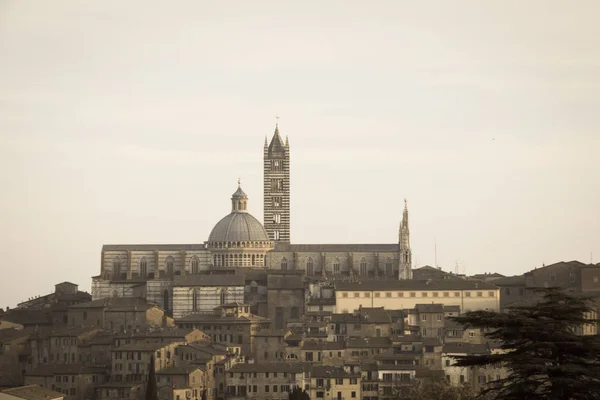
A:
(239, 226)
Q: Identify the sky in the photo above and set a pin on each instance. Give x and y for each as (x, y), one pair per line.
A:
(130, 122)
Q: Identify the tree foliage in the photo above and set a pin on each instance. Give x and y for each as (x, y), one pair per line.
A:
(541, 347)
(298, 394)
(151, 388)
(438, 389)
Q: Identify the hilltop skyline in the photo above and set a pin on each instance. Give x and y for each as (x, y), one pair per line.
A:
(131, 123)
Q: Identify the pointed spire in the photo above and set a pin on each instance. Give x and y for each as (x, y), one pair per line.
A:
(266, 142)
(287, 142)
(405, 215)
(276, 145)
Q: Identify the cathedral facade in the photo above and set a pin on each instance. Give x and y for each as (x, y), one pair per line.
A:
(184, 279)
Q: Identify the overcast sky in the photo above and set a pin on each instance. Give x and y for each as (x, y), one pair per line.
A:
(130, 122)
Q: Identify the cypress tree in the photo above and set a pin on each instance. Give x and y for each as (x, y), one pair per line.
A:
(542, 347)
(151, 388)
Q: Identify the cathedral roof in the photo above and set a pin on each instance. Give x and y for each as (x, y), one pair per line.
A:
(238, 227)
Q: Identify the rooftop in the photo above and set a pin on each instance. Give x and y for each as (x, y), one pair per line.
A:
(33, 392)
(409, 284)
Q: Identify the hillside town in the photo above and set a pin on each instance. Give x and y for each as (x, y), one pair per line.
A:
(334, 338)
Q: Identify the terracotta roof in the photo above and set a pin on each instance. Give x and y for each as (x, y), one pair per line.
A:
(33, 392)
(429, 308)
(410, 284)
(295, 367)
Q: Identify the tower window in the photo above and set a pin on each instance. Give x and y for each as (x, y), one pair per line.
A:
(277, 218)
(277, 185)
(284, 264)
(276, 235)
(336, 266)
(310, 267)
(143, 267)
(194, 265)
(363, 266)
(276, 165)
(277, 201)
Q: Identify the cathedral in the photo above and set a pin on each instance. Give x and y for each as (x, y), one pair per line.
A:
(240, 251)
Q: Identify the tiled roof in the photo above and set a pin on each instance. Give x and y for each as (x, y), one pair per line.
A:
(410, 284)
(209, 280)
(150, 247)
(270, 333)
(295, 367)
(518, 280)
(368, 342)
(322, 345)
(143, 346)
(218, 318)
(33, 392)
(181, 370)
(323, 371)
(429, 308)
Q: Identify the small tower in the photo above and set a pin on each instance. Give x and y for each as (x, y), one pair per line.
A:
(239, 200)
(277, 188)
(405, 270)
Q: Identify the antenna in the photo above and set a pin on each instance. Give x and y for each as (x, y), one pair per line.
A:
(435, 250)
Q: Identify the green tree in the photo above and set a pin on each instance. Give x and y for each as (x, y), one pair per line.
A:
(151, 389)
(433, 389)
(541, 347)
(298, 394)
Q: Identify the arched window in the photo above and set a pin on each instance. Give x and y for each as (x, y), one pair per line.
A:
(115, 293)
(363, 266)
(284, 264)
(194, 265)
(276, 235)
(195, 300)
(117, 267)
(389, 270)
(310, 269)
(336, 266)
(253, 259)
(223, 297)
(143, 267)
(170, 264)
(166, 300)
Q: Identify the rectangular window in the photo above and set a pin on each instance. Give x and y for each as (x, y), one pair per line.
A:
(435, 294)
(339, 381)
(277, 203)
(439, 317)
(356, 294)
(423, 294)
(491, 294)
(377, 294)
(388, 294)
(367, 294)
(479, 294)
(467, 294)
(267, 387)
(344, 294)
(400, 294)
(413, 294)
(446, 294)
(424, 317)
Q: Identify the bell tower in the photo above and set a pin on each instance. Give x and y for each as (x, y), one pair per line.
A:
(277, 188)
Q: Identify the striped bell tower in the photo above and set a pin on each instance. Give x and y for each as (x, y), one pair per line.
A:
(277, 188)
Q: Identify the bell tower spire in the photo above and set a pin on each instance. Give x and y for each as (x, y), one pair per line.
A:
(405, 255)
(277, 188)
